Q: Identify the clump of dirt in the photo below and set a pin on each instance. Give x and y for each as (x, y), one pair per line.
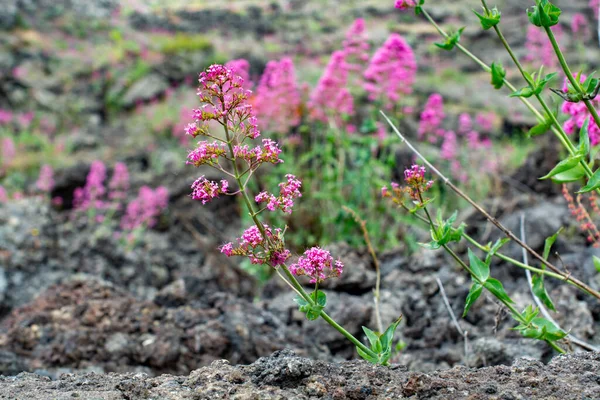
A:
(284, 375)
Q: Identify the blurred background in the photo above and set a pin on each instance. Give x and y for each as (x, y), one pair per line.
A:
(106, 263)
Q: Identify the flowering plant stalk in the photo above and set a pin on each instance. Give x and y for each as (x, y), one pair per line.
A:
(225, 105)
(576, 165)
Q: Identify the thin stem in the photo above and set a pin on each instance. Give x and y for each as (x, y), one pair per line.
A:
(291, 279)
(363, 226)
(482, 211)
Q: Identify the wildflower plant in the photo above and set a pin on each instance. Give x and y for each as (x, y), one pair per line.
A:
(230, 142)
(577, 166)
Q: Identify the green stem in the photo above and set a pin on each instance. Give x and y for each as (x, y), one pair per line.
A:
(292, 279)
(324, 315)
(565, 67)
(515, 313)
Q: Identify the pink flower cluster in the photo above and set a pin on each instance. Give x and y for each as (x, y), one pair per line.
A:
(6, 116)
(241, 67)
(253, 245)
(45, 182)
(9, 151)
(580, 26)
(331, 97)
(318, 264)
(206, 153)
(288, 191)
(416, 185)
(578, 113)
(119, 183)
(432, 118)
(391, 71)
(277, 98)
(144, 210)
(90, 196)
(225, 101)
(205, 190)
(356, 46)
(405, 4)
(539, 48)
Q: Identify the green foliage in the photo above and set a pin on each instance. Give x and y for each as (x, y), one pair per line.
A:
(489, 18)
(312, 311)
(444, 232)
(537, 83)
(183, 43)
(535, 327)
(543, 14)
(451, 40)
(380, 344)
(498, 73)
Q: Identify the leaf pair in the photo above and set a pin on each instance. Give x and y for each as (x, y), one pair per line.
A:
(451, 40)
(489, 18)
(540, 328)
(444, 232)
(380, 344)
(481, 278)
(537, 82)
(312, 311)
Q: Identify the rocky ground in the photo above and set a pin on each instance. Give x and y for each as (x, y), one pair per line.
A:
(284, 375)
(73, 301)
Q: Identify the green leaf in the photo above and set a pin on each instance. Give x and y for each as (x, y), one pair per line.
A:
(498, 74)
(596, 263)
(480, 269)
(372, 336)
(313, 314)
(300, 301)
(540, 128)
(584, 138)
(564, 165)
(489, 18)
(367, 357)
(549, 242)
(451, 40)
(499, 243)
(321, 298)
(523, 92)
(472, 297)
(593, 183)
(495, 286)
(540, 291)
(572, 175)
(388, 335)
(543, 14)
(433, 245)
(541, 83)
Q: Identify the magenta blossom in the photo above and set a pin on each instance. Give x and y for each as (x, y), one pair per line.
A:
(288, 191)
(318, 264)
(119, 184)
(206, 190)
(331, 97)
(416, 183)
(90, 196)
(145, 209)
(45, 182)
(405, 4)
(253, 245)
(391, 72)
(432, 118)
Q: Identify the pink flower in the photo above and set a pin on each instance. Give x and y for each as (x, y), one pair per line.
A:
(91, 194)
(119, 184)
(432, 117)
(206, 153)
(331, 97)
(405, 4)
(145, 208)
(318, 264)
(415, 179)
(241, 67)
(227, 249)
(449, 146)
(277, 98)
(579, 26)
(6, 117)
(9, 151)
(3, 195)
(356, 46)
(206, 190)
(539, 48)
(288, 191)
(465, 124)
(45, 182)
(391, 72)
(578, 113)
